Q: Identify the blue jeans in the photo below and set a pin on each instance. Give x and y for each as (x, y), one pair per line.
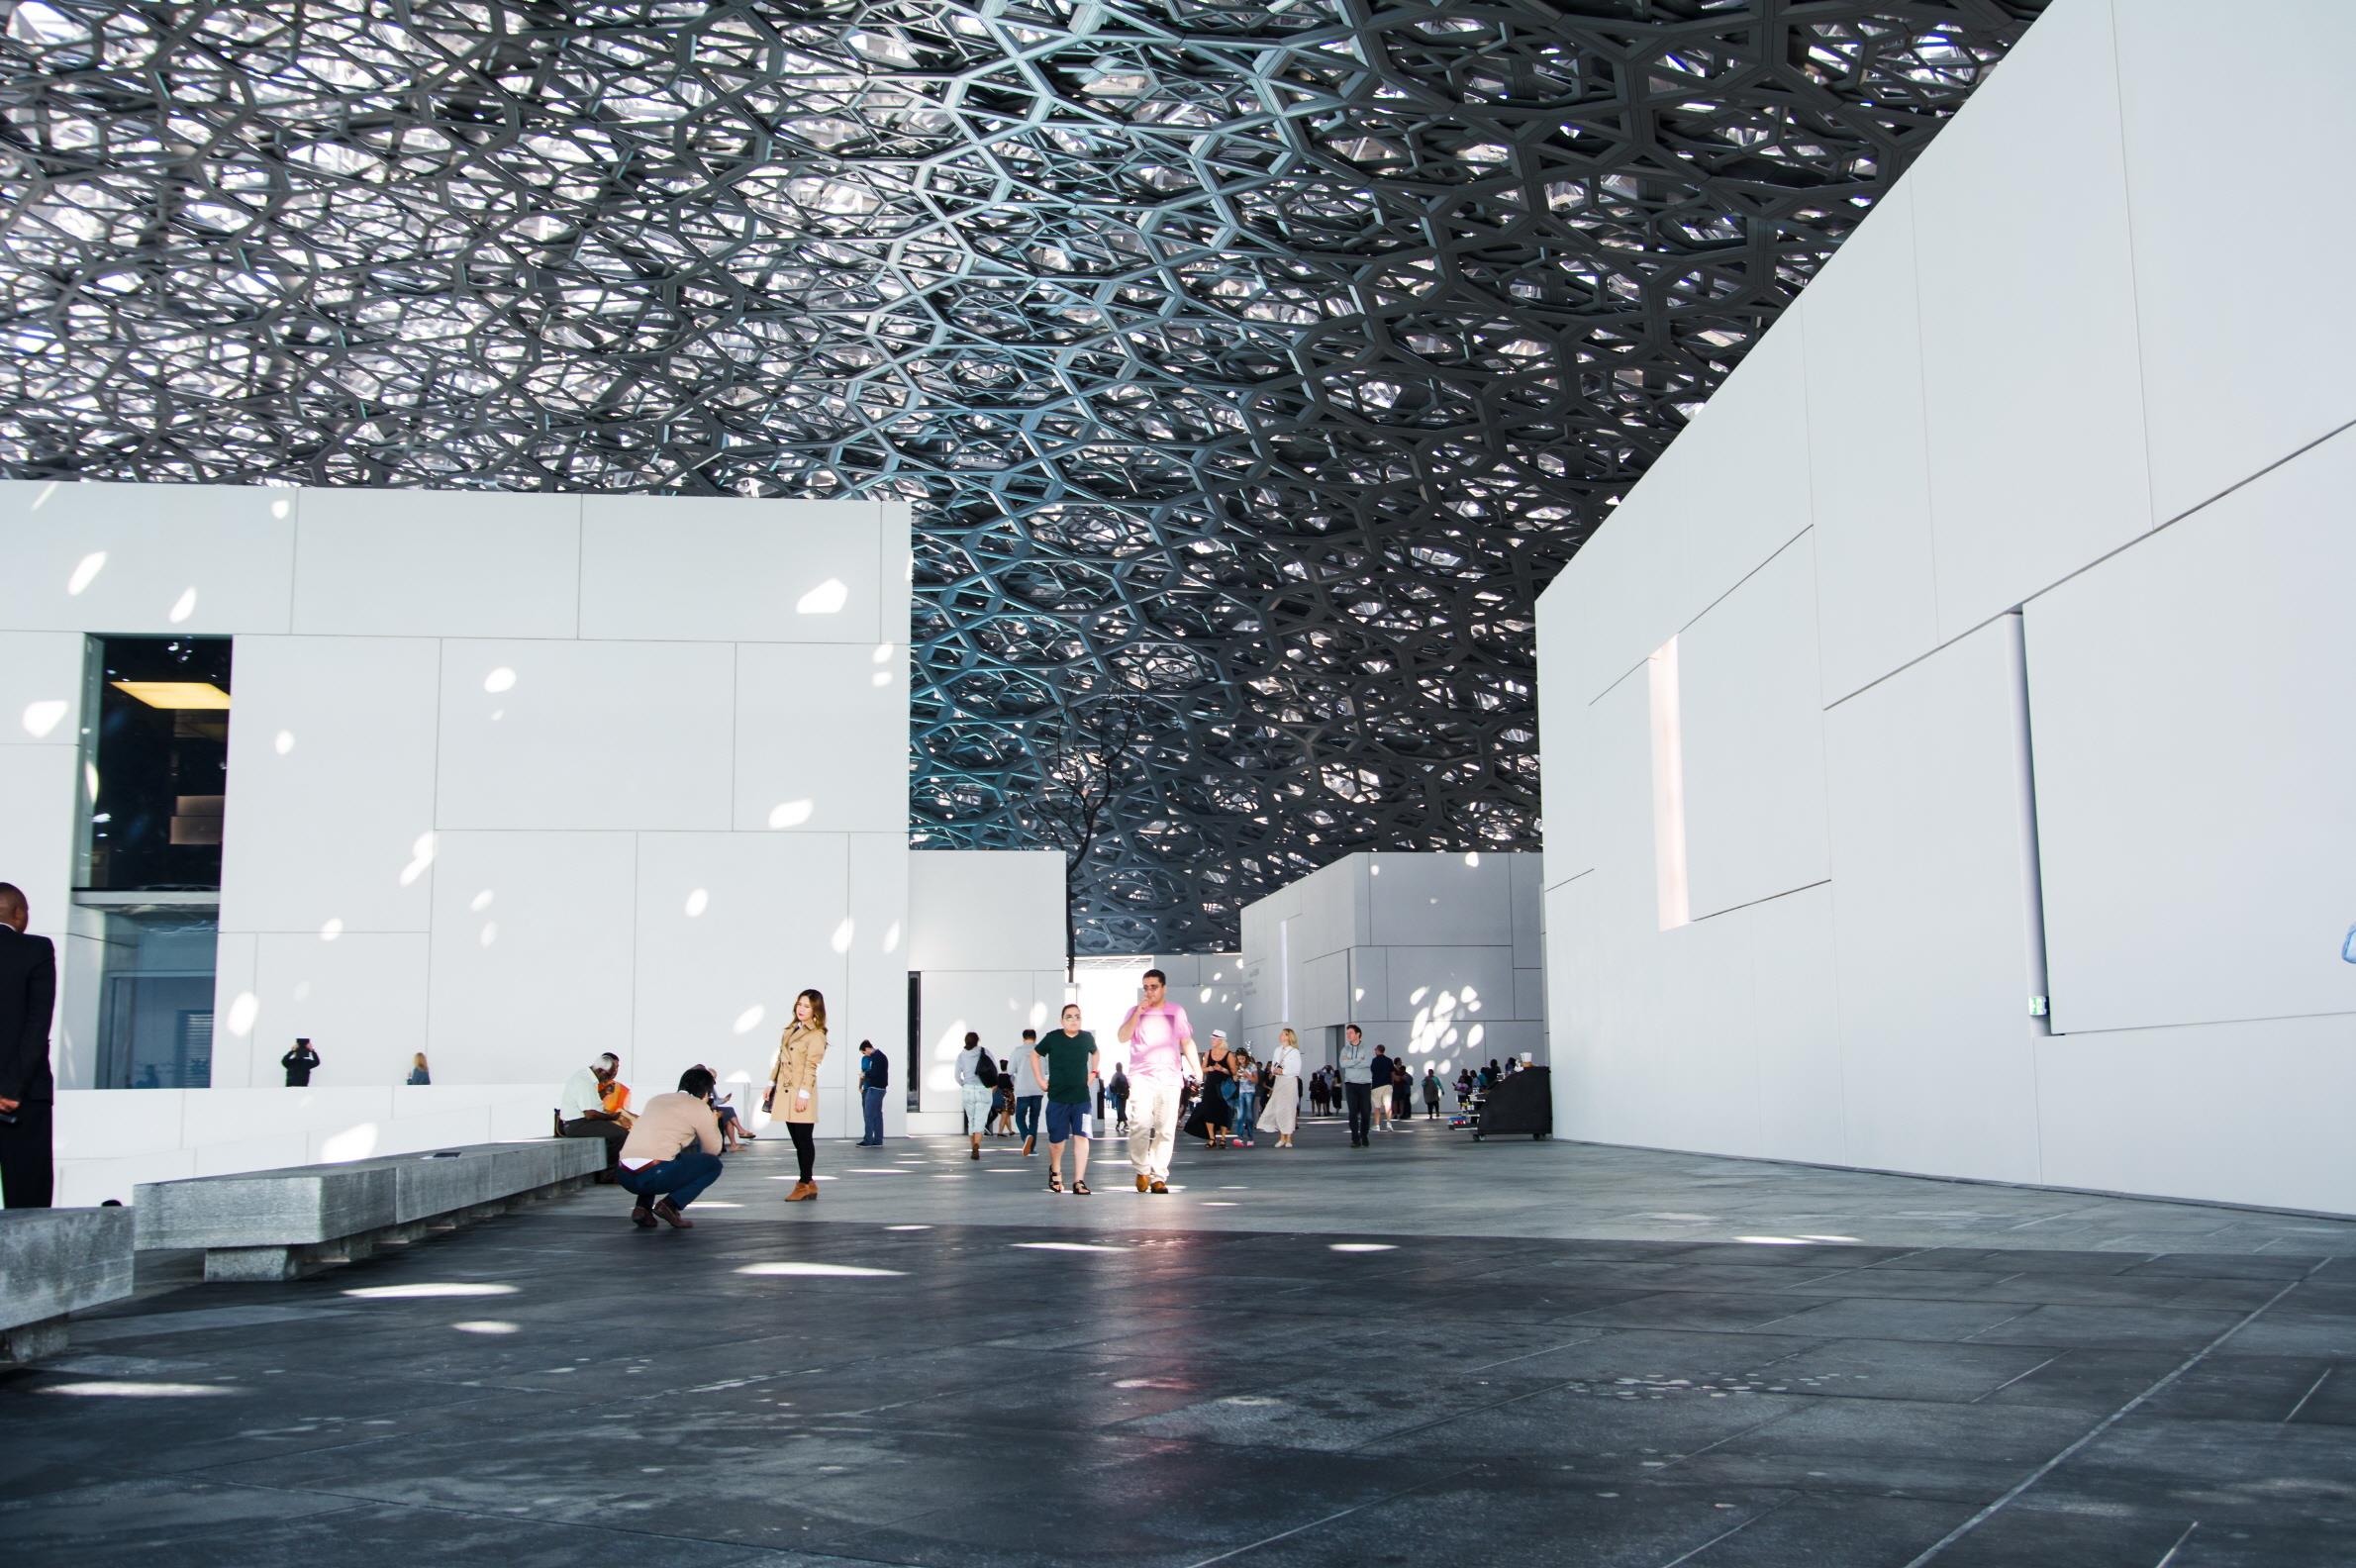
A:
(682, 1178)
(1026, 1115)
(871, 1109)
(1247, 1106)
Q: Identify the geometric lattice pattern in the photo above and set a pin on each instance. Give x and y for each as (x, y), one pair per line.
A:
(1256, 362)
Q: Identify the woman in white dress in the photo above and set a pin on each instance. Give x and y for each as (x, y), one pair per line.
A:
(1283, 1112)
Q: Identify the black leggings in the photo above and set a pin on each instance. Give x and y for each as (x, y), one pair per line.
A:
(805, 1147)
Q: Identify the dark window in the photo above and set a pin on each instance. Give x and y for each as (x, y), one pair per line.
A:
(158, 759)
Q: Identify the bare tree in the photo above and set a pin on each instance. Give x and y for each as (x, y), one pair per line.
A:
(1098, 755)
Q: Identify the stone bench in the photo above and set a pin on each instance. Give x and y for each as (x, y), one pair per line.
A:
(55, 1261)
(279, 1225)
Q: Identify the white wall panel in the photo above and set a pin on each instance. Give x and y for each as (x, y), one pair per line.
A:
(1324, 989)
(1795, 1025)
(586, 735)
(1430, 984)
(2021, 211)
(40, 688)
(1562, 718)
(1443, 900)
(1929, 915)
(2242, 1113)
(2195, 759)
(533, 955)
(874, 1004)
(719, 568)
(997, 1005)
(1370, 982)
(206, 560)
(1753, 729)
(360, 1000)
(236, 1011)
(1706, 1067)
(37, 828)
(820, 738)
(1750, 492)
(1528, 902)
(1868, 452)
(331, 784)
(437, 564)
(985, 908)
(2231, 390)
(730, 928)
(1530, 993)
(1631, 597)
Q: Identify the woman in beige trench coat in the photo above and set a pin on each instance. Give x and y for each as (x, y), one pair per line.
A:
(793, 1086)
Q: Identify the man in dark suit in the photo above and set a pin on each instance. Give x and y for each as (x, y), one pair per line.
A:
(27, 1091)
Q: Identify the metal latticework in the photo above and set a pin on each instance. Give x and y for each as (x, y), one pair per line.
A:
(1253, 362)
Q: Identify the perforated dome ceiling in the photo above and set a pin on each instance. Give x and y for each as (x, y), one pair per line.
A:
(1252, 364)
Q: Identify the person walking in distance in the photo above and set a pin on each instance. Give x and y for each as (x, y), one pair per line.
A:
(28, 1084)
(1161, 1058)
(1430, 1093)
(1063, 1066)
(1378, 1101)
(1357, 1083)
(875, 1076)
(1026, 1103)
(793, 1087)
(977, 1075)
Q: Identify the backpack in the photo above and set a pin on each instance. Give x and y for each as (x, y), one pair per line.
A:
(985, 1071)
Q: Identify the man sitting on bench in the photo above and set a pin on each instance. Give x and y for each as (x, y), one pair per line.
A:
(581, 1111)
(673, 1152)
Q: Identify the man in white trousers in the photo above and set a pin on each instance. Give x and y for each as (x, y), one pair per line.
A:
(1161, 1057)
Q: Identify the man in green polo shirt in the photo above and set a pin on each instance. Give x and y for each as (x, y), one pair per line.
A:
(1064, 1066)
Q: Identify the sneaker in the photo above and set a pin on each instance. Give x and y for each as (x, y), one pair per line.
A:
(1028, 1145)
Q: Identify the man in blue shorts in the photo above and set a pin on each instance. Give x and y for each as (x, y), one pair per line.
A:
(1064, 1066)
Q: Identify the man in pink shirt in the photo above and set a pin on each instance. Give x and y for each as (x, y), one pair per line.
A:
(1161, 1057)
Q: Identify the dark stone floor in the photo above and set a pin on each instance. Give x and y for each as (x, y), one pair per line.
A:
(785, 1388)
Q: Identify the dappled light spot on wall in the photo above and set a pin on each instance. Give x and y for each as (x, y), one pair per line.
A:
(881, 678)
(884, 650)
(790, 813)
(242, 1014)
(331, 929)
(429, 1291)
(489, 933)
(183, 607)
(120, 1390)
(42, 717)
(828, 598)
(480, 901)
(818, 1271)
(486, 1325)
(891, 942)
(90, 781)
(500, 680)
(85, 572)
(279, 509)
(42, 498)
(421, 856)
(1472, 857)
(750, 1018)
(698, 901)
(842, 935)
(349, 1144)
(284, 744)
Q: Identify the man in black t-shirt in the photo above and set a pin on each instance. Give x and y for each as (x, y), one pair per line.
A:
(875, 1076)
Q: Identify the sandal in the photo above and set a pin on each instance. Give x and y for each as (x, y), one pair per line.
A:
(1080, 1189)
(1054, 1181)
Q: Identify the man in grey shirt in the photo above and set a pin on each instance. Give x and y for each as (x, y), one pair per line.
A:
(1357, 1083)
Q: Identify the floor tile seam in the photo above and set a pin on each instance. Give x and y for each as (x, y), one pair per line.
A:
(2308, 1395)
(2084, 1439)
(1425, 1485)
(1763, 1513)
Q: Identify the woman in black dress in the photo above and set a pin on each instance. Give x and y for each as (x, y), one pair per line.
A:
(1403, 1094)
(1215, 1114)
